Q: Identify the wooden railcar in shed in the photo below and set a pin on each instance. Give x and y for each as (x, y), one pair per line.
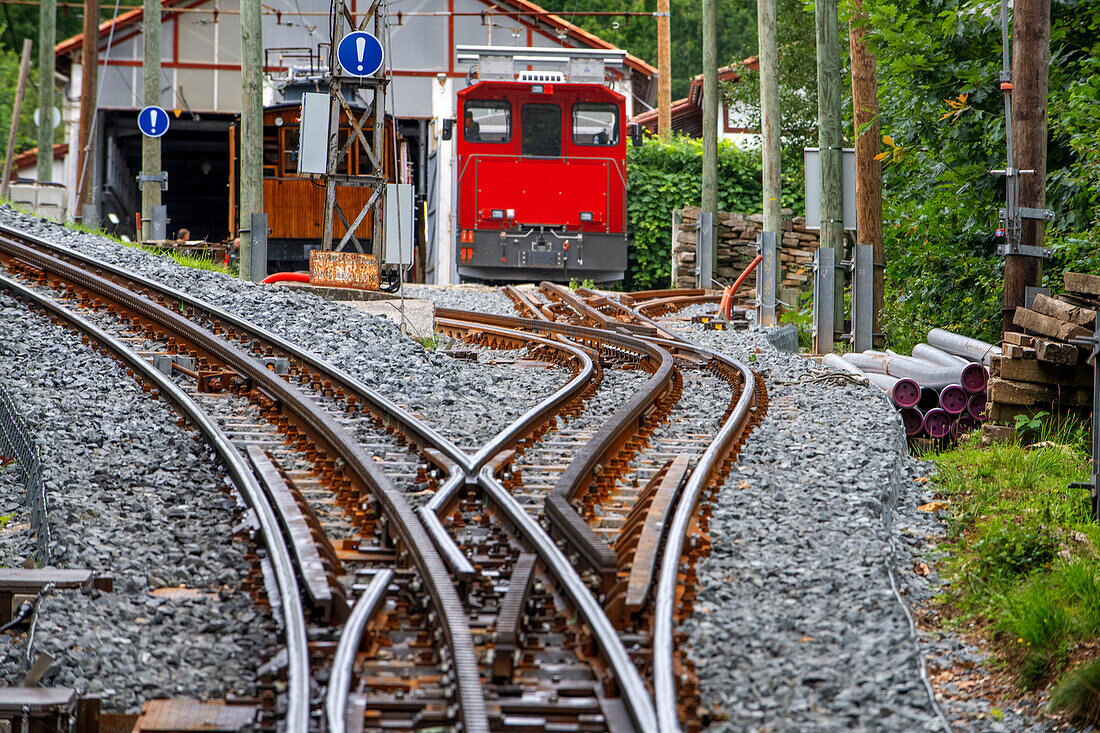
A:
(295, 204)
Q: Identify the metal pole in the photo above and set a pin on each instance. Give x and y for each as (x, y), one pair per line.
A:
(150, 146)
(252, 127)
(704, 250)
(770, 156)
(379, 143)
(47, 36)
(13, 133)
(664, 71)
(710, 124)
(824, 275)
(829, 142)
(868, 169)
(89, 72)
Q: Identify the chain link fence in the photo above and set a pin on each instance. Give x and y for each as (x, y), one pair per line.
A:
(16, 442)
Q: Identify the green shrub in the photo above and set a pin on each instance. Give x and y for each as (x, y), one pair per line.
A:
(1009, 549)
(1079, 695)
(664, 177)
(1082, 590)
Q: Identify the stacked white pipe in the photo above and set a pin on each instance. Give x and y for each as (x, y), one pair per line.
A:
(940, 391)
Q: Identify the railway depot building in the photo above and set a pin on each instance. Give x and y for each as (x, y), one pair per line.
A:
(201, 89)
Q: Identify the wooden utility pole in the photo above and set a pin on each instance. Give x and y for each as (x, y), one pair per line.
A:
(767, 33)
(829, 143)
(1030, 63)
(868, 170)
(664, 71)
(710, 120)
(150, 146)
(20, 89)
(252, 129)
(47, 36)
(89, 70)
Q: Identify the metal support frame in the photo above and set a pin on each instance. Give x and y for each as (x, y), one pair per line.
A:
(341, 87)
(158, 222)
(1093, 486)
(258, 253)
(1012, 215)
(824, 284)
(765, 278)
(704, 249)
(863, 297)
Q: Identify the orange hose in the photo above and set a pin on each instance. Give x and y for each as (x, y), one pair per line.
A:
(727, 296)
(287, 277)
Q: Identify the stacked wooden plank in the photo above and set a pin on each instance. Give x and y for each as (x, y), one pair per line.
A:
(737, 248)
(1041, 368)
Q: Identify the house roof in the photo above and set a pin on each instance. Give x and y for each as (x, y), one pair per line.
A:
(687, 112)
(523, 6)
(29, 158)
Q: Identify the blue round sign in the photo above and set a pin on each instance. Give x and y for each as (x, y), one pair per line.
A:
(153, 121)
(360, 53)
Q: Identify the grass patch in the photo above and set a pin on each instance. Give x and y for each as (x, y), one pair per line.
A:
(1021, 546)
(1079, 695)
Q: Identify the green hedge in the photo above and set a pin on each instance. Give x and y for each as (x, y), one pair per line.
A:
(663, 177)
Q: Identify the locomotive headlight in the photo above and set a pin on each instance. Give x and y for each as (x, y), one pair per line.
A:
(511, 213)
(498, 213)
(586, 216)
(536, 89)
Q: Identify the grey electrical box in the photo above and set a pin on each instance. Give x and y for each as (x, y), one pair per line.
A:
(313, 135)
(398, 249)
(813, 188)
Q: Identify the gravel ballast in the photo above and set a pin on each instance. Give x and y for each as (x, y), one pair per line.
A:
(133, 496)
(796, 627)
(473, 401)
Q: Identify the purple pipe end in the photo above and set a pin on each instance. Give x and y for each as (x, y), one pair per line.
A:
(976, 407)
(912, 420)
(965, 424)
(906, 393)
(974, 378)
(954, 399)
(937, 423)
(929, 399)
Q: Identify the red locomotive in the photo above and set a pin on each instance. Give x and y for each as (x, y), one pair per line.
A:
(541, 180)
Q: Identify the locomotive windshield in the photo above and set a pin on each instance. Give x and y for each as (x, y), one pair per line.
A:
(487, 122)
(595, 124)
(540, 130)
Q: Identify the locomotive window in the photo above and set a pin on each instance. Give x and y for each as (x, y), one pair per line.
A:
(540, 130)
(290, 151)
(271, 152)
(486, 122)
(595, 124)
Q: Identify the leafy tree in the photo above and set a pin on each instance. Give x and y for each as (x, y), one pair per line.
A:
(638, 35)
(664, 177)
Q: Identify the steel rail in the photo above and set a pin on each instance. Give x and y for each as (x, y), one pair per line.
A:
(664, 684)
(412, 532)
(675, 302)
(633, 688)
(298, 676)
(583, 468)
(541, 411)
(421, 433)
(339, 683)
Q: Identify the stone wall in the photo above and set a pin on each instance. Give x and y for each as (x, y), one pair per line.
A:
(737, 248)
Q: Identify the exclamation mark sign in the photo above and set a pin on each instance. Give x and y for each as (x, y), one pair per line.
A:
(360, 49)
(153, 121)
